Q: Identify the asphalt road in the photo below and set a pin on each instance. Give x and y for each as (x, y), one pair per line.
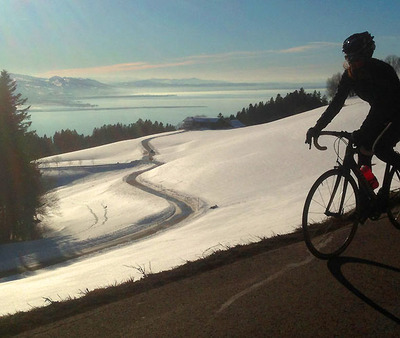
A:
(281, 293)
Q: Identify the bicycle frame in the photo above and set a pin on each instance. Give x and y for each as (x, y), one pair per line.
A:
(349, 165)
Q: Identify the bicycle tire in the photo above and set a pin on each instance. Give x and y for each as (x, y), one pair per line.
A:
(393, 206)
(327, 233)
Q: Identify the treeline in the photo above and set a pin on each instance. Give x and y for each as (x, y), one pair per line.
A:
(293, 103)
(69, 140)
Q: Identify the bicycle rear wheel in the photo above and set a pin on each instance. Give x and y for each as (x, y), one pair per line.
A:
(330, 216)
(393, 209)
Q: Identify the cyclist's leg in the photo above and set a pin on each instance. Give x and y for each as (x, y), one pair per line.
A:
(364, 159)
(383, 149)
(383, 146)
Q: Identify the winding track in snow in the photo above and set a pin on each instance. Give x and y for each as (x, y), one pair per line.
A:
(183, 207)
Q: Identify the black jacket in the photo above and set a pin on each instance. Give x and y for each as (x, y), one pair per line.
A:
(375, 82)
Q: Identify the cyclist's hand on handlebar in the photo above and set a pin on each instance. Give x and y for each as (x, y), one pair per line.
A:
(312, 133)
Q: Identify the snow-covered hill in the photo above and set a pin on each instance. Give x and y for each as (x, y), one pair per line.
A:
(257, 176)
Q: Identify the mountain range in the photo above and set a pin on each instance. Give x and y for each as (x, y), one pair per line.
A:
(58, 90)
(68, 91)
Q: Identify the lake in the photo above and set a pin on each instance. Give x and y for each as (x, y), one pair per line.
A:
(166, 106)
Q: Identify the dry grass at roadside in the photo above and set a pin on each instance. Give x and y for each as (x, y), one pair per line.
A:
(59, 309)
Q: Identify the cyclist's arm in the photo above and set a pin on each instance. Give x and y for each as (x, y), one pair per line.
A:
(337, 102)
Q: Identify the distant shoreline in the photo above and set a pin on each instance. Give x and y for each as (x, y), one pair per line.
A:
(33, 110)
(139, 96)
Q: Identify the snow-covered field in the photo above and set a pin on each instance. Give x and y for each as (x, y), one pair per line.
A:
(257, 176)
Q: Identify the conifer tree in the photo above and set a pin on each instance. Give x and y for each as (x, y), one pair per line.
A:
(20, 186)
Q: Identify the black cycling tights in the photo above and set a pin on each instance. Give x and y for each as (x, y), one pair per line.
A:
(384, 145)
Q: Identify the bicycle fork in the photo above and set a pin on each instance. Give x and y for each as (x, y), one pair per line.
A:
(342, 195)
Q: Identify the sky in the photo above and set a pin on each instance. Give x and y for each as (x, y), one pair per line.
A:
(229, 40)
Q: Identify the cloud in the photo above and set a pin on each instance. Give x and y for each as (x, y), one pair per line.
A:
(307, 47)
(122, 67)
(185, 61)
(135, 66)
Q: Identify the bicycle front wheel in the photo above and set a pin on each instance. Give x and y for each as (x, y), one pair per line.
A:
(393, 209)
(330, 216)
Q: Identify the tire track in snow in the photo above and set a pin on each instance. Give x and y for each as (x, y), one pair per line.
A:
(96, 219)
(105, 214)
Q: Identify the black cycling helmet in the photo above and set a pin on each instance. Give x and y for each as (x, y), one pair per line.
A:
(359, 46)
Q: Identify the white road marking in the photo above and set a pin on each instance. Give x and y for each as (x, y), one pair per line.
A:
(263, 282)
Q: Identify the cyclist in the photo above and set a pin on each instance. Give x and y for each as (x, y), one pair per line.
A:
(377, 83)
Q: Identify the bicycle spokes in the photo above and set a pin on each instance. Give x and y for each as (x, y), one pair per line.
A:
(329, 215)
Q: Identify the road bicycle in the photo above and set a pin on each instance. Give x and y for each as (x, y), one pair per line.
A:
(341, 199)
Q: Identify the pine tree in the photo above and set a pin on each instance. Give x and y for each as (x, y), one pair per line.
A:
(20, 186)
